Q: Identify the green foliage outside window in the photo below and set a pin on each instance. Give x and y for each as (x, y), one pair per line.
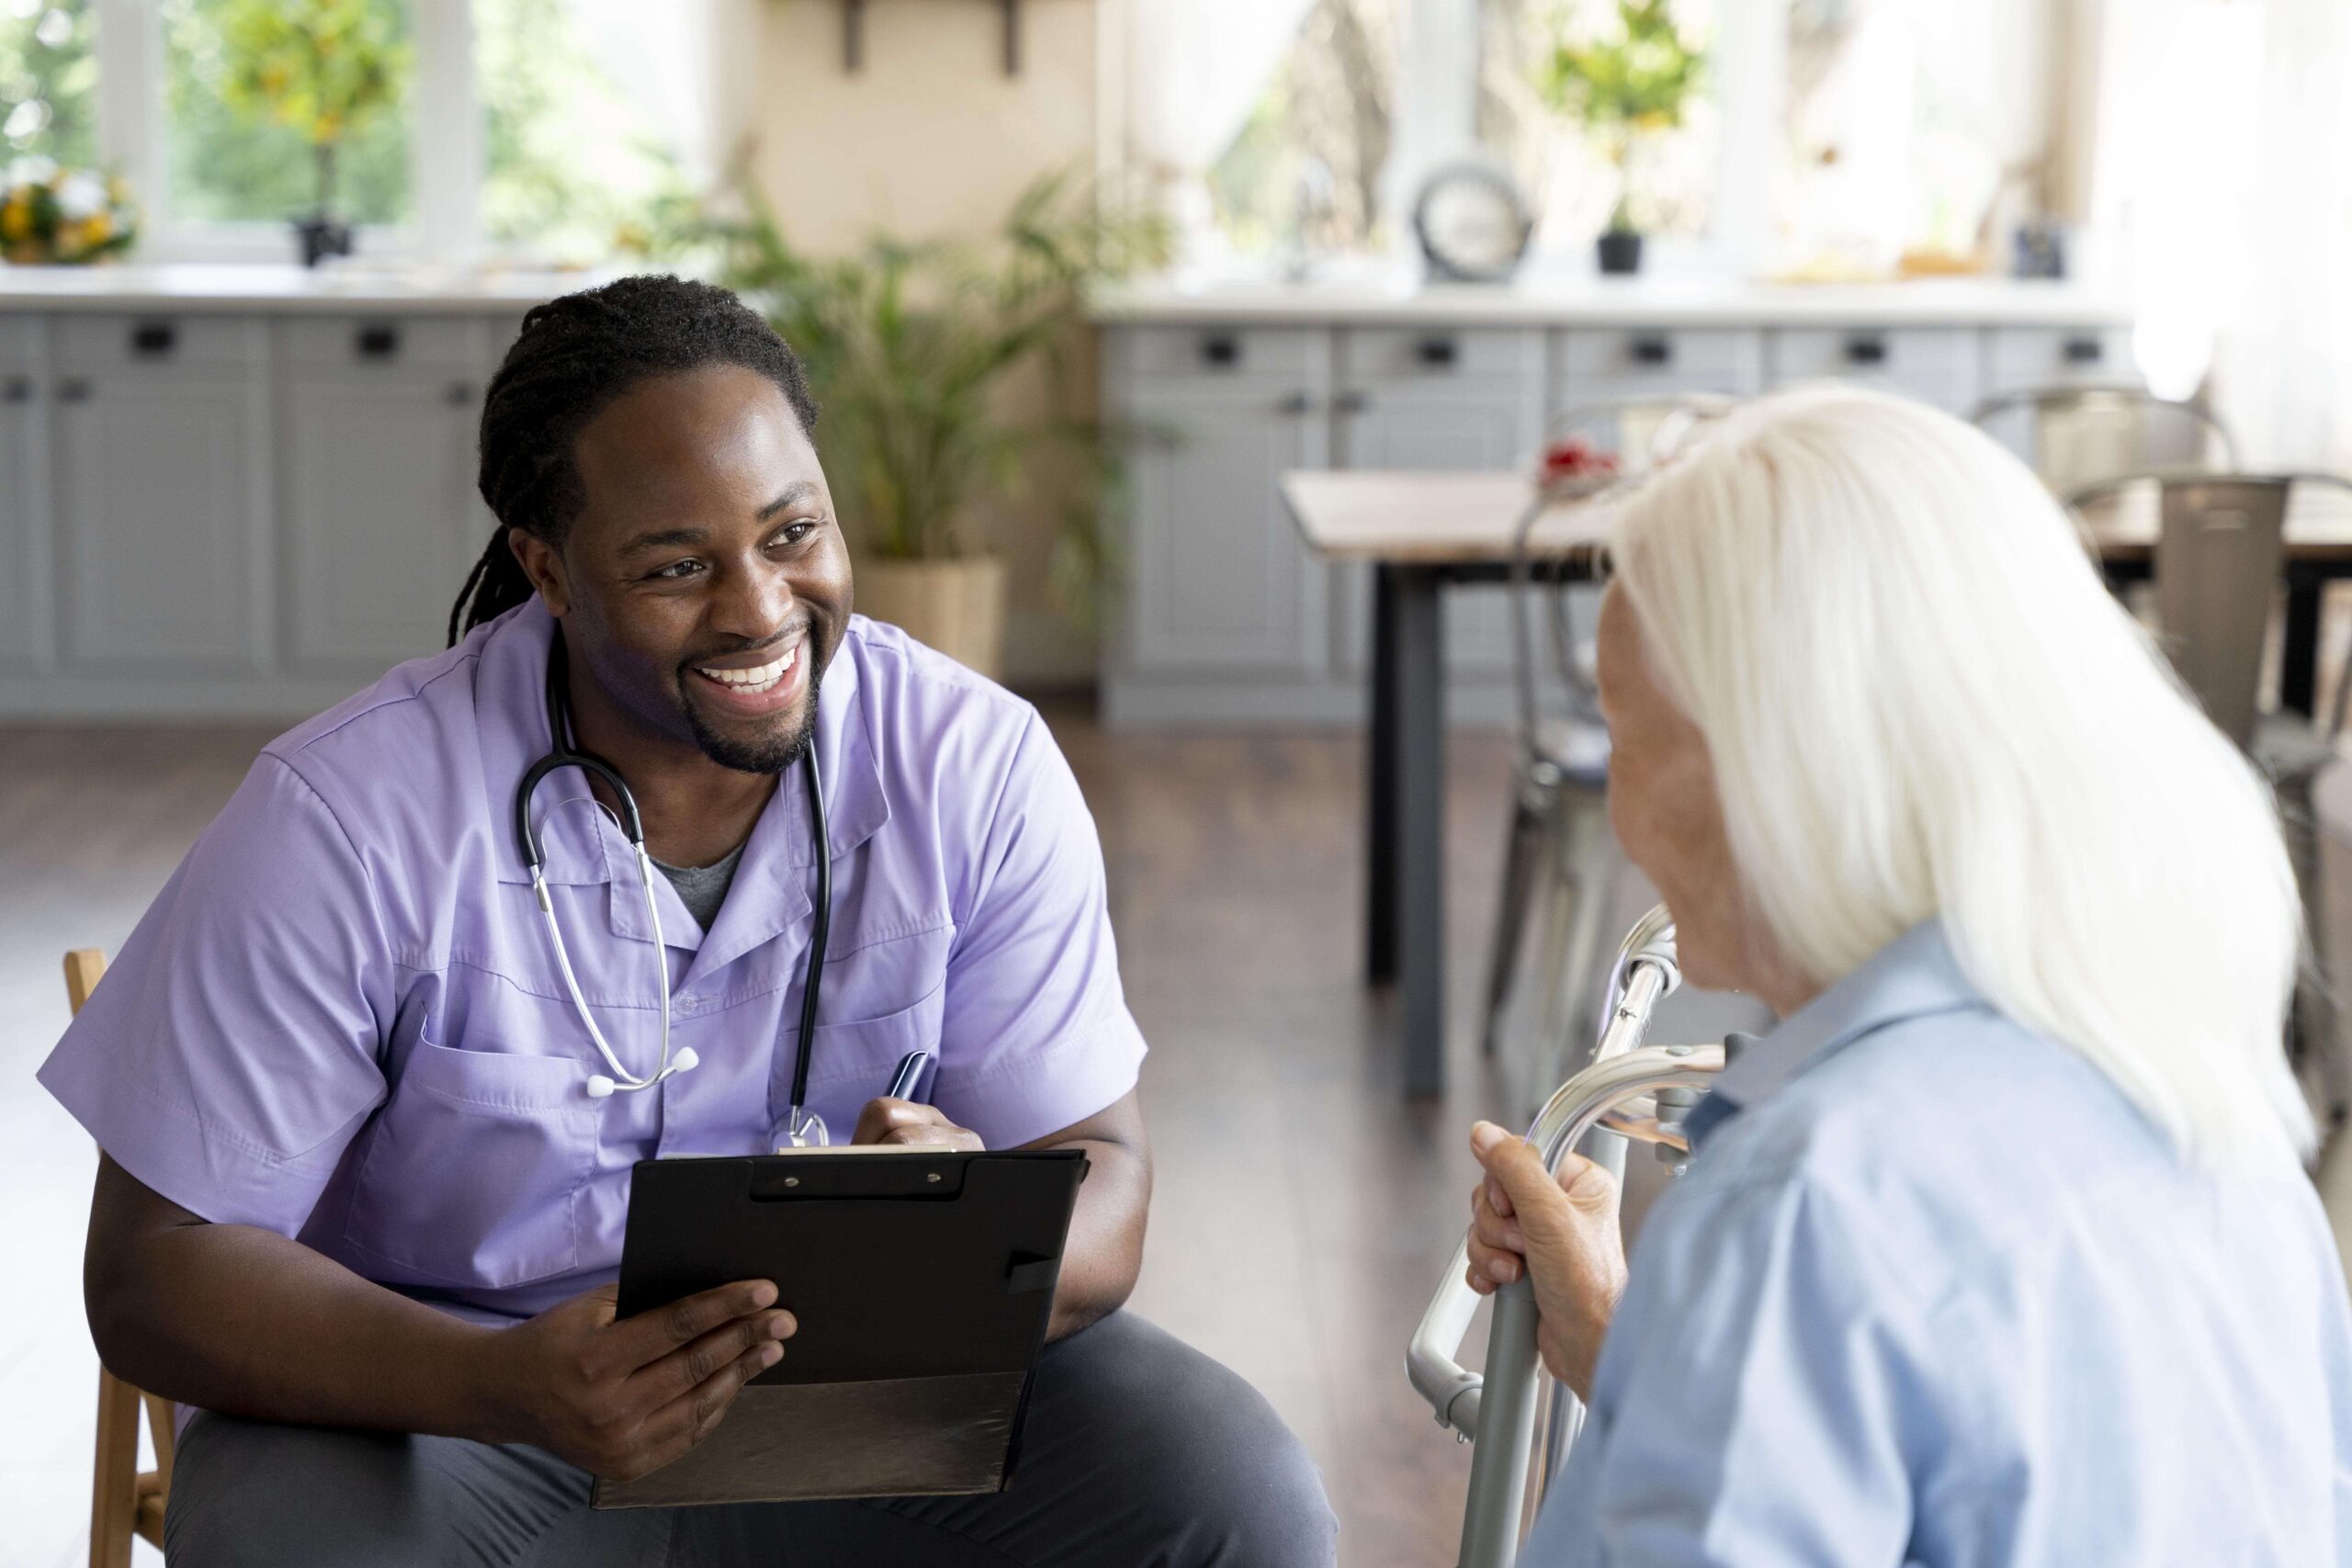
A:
(573, 161)
(1626, 83)
(48, 79)
(280, 108)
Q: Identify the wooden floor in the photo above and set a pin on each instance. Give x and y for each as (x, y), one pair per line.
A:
(90, 823)
(1304, 1207)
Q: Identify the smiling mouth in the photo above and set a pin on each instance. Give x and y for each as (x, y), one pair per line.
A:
(760, 678)
(755, 691)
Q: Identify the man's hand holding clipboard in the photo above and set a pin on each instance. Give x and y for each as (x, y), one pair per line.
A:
(919, 1288)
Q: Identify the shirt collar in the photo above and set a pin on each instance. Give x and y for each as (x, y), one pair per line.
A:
(511, 710)
(1913, 975)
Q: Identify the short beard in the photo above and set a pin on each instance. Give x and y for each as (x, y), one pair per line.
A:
(771, 756)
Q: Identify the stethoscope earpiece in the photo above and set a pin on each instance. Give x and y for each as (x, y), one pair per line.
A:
(599, 1087)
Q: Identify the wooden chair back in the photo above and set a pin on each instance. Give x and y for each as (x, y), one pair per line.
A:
(124, 1500)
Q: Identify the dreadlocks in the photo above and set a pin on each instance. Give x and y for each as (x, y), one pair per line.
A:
(574, 357)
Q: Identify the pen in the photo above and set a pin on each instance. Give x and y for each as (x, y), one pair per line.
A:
(906, 1083)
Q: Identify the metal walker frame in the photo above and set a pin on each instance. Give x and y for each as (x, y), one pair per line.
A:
(1521, 1423)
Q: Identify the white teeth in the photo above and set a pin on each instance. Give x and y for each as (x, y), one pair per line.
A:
(758, 679)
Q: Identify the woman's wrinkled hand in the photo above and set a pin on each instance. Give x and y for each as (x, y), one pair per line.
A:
(1563, 1233)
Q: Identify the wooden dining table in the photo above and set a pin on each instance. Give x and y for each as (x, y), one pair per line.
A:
(1423, 532)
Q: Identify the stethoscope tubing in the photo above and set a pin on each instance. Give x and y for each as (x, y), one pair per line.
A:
(803, 1126)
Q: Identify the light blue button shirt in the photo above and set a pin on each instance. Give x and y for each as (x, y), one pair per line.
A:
(1934, 1292)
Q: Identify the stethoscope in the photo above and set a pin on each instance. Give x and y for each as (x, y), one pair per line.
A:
(802, 1127)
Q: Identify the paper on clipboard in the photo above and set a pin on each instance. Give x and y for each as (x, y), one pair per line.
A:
(896, 1437)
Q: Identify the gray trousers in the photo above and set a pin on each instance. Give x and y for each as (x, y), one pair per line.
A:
(1138, 1451)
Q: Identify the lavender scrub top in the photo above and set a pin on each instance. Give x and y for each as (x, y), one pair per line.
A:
(342, 1018)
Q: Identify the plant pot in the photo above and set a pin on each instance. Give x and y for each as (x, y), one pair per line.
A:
(956, 606)
(1621, 252)
(322, 237)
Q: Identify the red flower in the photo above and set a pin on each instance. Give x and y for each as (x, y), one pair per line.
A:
(1575, 459)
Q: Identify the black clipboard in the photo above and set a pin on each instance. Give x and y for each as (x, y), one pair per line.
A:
(922, 1282)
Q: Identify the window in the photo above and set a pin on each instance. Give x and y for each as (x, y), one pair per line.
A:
(230, 160)
(1669, 175)
(529, 129)
(572, 154)
(1895, 115)
(1303, 173)
(48, 79)
(1824, 137)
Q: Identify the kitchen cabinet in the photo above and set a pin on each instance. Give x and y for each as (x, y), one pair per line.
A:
(1596, 367)
(161, 499)
(381, 519)
(1935, 364)
(218, 504)
(1222, 582)
(25, 620)
(223, 502)
(1229, 621)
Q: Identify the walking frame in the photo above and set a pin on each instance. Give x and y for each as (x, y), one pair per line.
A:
(1521, 1422)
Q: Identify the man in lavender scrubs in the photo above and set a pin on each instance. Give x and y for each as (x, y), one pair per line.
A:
(358, 1210)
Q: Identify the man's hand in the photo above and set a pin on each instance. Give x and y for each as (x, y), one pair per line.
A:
(1566, 1231)
(886, 1121)
(623, 1398)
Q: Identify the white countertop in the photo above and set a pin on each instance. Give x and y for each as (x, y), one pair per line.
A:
(1631, 301)
(258, 287)
(1644, 302)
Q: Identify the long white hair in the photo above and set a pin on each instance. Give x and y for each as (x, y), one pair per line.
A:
(1920, 700)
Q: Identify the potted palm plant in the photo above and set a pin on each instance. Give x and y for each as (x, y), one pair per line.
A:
(1627, 82)
(909, 348)
(324, 69)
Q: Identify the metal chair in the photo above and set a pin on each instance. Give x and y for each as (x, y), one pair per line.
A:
(1558, 856)
(2221, 551)
(2082, 433)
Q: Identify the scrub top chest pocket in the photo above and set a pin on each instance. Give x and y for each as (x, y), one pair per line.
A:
(524, 1136)
(858, 1057)
(867, 1026)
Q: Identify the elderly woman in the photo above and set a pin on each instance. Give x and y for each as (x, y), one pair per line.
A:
(1996, 1250)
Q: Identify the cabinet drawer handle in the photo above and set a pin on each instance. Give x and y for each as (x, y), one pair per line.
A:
(16, 389)
(1437, 353)
(1296, 403)
(378, 342)
(154, 340)
(458, 394)
(1221, 351)
(73, 389)
(2085, 351)
(1350, 402)
(1870, 349)
(1652, 351)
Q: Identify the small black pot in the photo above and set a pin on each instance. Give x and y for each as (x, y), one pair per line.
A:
(322, 237)
(1620, 251)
